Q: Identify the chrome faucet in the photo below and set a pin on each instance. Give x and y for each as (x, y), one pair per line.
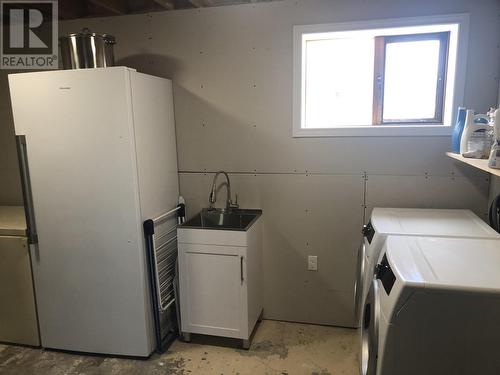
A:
(213, 193)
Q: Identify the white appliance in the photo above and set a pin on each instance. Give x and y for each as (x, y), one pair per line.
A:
(412, 222)
(98, 154)
(18, 321)
(433, 308)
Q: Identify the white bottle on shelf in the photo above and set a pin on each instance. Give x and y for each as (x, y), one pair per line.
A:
(471, 127)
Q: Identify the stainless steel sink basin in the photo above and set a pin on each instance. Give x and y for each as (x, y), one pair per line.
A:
(223, 219)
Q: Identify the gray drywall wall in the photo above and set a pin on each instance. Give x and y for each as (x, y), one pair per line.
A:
(232, 72)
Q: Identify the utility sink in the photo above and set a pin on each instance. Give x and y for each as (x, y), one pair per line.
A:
(220, 268)
(233, 219)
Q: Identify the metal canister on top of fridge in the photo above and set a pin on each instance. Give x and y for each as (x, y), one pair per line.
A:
(87, 49)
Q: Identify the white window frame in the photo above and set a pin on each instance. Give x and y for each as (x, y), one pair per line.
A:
(451, 102)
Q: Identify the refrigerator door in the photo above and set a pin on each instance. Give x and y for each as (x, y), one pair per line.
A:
(88, 265)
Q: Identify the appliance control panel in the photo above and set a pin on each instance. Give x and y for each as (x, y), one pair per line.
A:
(368, 231)
(384, 273)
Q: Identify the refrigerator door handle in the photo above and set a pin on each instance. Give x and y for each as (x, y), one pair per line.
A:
(26, 186)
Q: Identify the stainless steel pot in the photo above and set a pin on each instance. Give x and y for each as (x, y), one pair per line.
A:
(87, 50)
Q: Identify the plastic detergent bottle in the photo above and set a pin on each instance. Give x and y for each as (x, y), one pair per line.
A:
(470, 127)
(458, 130)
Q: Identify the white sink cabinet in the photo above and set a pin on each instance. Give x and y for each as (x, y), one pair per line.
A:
(220, 281)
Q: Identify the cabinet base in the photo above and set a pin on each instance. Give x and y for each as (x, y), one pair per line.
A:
(245, 344)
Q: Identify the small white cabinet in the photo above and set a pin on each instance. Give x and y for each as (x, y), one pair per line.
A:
(220, 281)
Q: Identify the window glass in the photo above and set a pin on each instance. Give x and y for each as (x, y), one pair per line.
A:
(411, 73)
(339, 82)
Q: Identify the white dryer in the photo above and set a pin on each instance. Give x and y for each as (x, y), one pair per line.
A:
(410, 222)
(433, 308)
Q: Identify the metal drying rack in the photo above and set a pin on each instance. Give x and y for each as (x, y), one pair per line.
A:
(161, 250)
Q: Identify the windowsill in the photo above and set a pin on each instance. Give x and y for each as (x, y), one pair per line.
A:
(377, 131)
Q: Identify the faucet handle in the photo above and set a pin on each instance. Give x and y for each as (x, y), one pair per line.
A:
(235, 204)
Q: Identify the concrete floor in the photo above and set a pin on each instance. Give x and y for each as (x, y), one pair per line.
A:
(278, 348)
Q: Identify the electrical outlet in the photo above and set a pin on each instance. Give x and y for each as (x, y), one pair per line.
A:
(312, 263)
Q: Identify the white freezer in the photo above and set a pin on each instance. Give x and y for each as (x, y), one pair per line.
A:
(101, 150)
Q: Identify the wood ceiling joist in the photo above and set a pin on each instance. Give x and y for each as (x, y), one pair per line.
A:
(166, 4)
(70, 9)
(117, 7)
(201, 3)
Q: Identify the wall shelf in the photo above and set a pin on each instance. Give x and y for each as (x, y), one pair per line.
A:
(476, 163)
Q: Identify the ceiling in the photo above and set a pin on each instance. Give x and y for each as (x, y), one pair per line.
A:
(71, 9)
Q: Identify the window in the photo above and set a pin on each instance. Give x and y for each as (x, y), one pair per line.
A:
(409, 78)
(390, 77)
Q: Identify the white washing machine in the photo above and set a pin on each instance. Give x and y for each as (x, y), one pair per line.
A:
(412, 222)
(433, 308)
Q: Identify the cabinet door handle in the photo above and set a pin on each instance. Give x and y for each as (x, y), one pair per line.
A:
(241, 269)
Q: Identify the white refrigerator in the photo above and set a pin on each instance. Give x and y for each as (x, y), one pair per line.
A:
(98, 156)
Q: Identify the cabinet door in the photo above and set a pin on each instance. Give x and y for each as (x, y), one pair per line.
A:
(213, 290)
(18, 323)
